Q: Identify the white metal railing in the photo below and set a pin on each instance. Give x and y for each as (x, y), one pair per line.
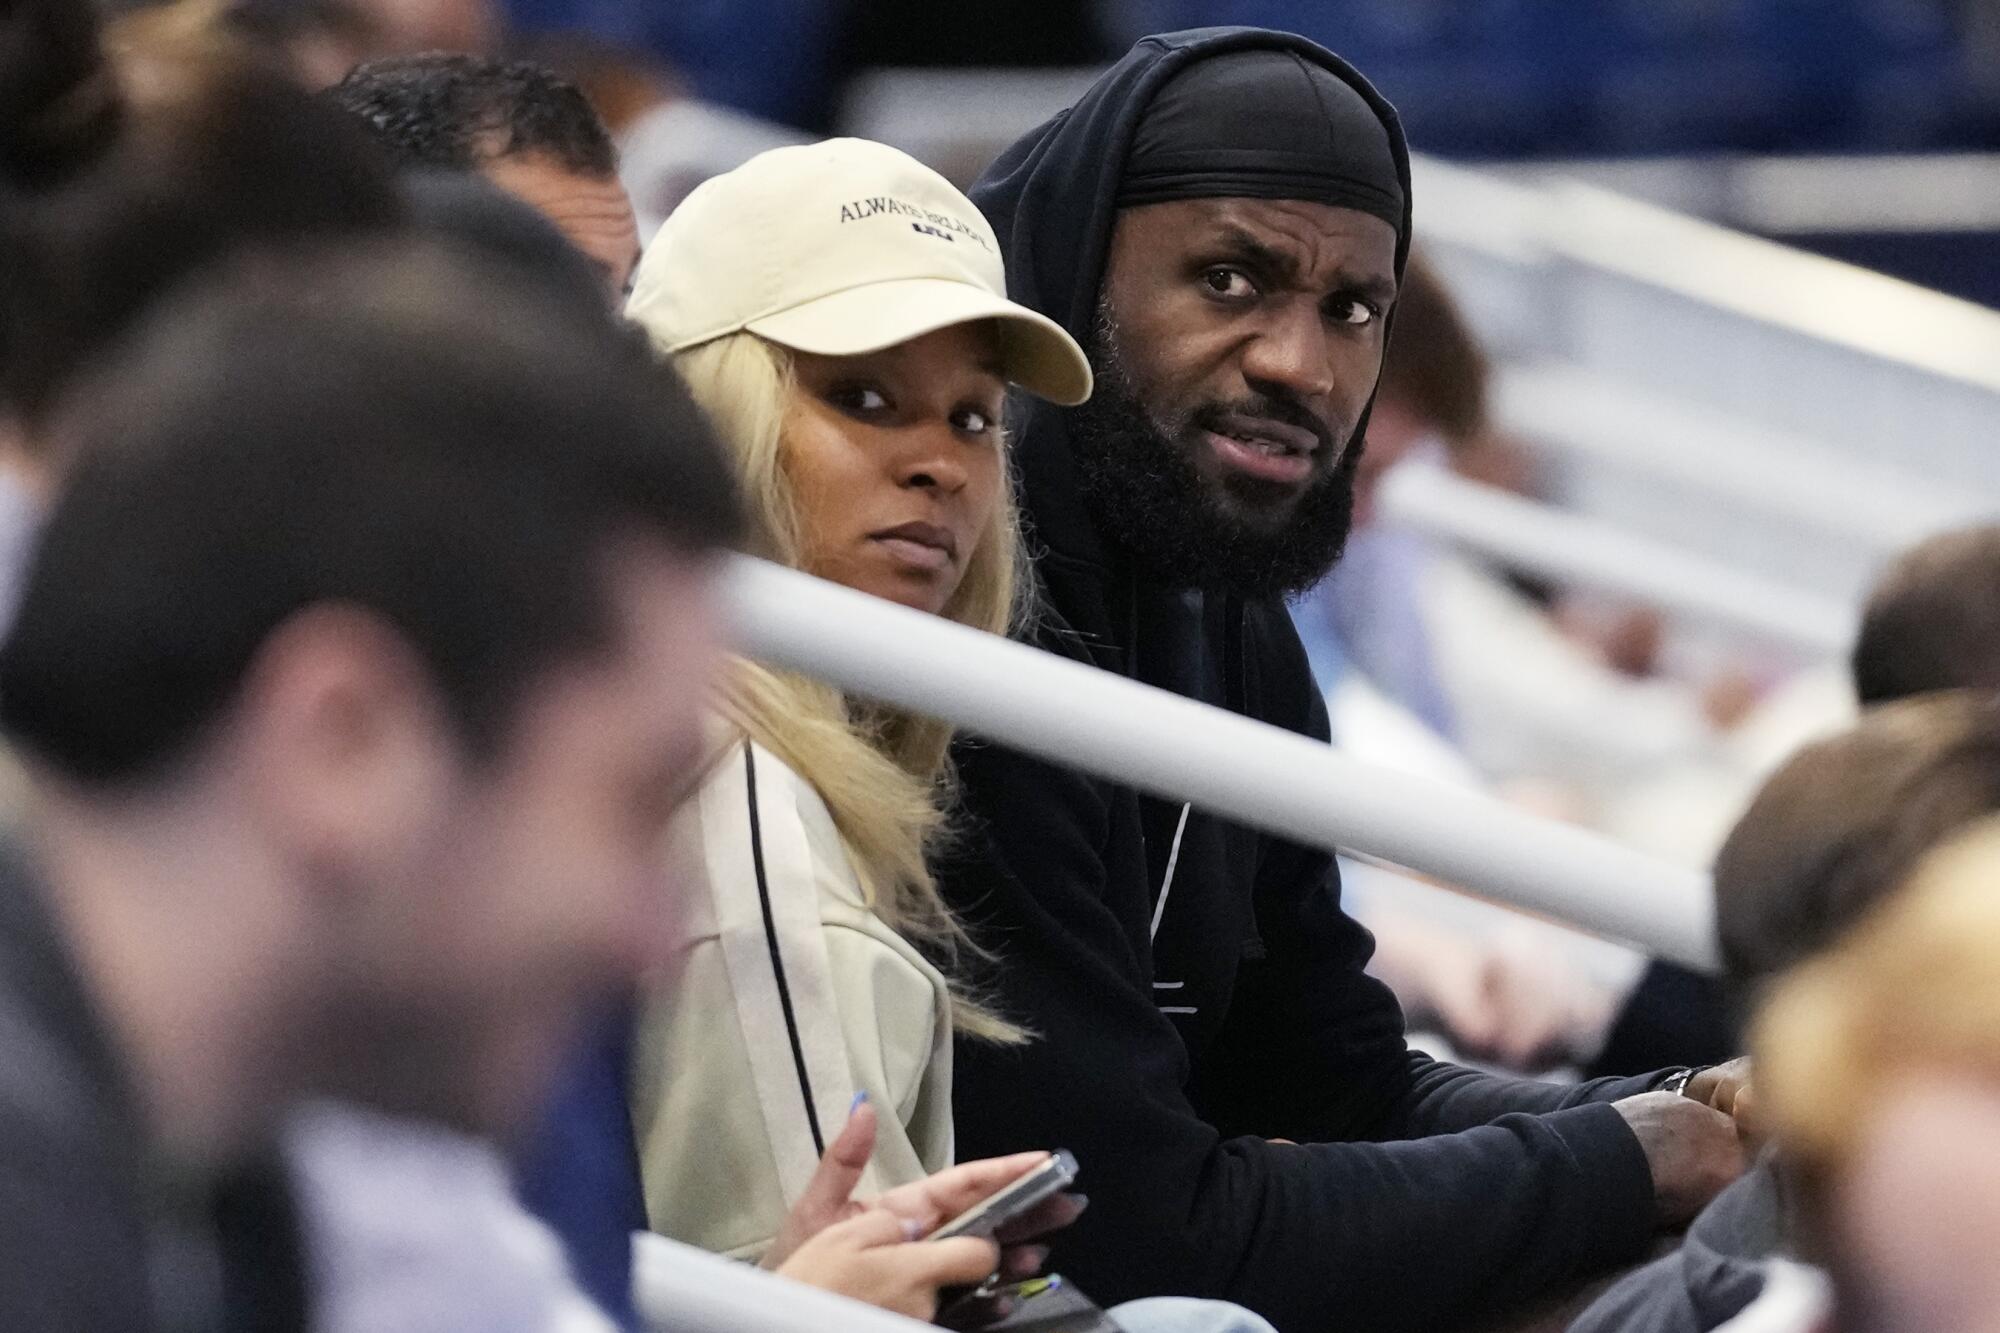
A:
(1775, 285)
(1258, 774)
(1788, 508)
(1847, 193)
(1558, 544)
(1588, 416)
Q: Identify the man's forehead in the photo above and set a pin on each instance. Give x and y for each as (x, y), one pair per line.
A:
(594, 212)
(556, 189)
(1308, 234)
(1297, 217)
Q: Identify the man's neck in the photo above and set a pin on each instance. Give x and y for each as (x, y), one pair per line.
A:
(173, 940)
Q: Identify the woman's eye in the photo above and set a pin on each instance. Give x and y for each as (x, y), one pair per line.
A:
(975, 420)
(862, 398)
(1225, 281)
(1355, 312)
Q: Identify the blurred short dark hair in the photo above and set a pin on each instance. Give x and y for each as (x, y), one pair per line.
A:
(1840, 826)
(446, 442)
(1932, 621)
(456, 112)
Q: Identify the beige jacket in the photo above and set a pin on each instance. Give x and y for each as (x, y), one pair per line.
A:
(791, 997)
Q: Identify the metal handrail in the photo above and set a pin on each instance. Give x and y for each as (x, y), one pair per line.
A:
(1264, 776)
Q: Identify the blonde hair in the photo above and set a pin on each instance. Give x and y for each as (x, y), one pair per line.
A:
(1915, 988)
(885, 775)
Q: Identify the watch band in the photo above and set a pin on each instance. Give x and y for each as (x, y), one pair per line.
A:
(1677, 1082)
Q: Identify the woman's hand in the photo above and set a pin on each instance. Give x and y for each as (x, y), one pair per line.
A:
(829, 1196)
(876, 1258)
(823, 1243)
(931, 1202)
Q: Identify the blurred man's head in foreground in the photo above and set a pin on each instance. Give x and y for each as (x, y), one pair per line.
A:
(364, 651)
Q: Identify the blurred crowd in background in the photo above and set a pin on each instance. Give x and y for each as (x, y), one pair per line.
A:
(1499, 79)
(1509, 82)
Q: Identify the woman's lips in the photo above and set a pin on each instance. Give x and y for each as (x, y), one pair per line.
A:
(924, 546)
(916, 554)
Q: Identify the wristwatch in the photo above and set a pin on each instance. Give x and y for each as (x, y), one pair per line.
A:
(1677, 1082)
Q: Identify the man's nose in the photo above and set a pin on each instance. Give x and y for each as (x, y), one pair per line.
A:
(1291, 355)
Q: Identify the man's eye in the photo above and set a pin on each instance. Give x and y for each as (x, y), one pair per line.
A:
(1225, 281)
(1355, 312)
(860, 398)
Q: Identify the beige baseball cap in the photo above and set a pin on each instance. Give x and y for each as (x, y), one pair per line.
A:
(839, 248)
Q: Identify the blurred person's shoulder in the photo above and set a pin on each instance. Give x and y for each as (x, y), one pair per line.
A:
(56, 1068)
(14, 792)
(71, 1214)
(417, 1227)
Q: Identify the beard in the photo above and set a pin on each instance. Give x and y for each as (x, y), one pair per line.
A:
(1140, 481)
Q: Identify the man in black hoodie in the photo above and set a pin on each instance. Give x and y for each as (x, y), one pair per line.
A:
(1223, 220)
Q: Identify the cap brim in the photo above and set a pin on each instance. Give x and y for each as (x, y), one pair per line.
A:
(1037, 354)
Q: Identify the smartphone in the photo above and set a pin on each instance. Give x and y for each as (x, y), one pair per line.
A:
(1036, 1305)
(1002, 1206)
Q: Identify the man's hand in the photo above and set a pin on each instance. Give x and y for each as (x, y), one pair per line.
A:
(876, 1258)
(1693, 1150)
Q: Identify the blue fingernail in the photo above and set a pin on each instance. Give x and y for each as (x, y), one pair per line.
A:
(859, 1098)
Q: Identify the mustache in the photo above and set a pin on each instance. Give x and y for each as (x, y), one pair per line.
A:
(1286, 411)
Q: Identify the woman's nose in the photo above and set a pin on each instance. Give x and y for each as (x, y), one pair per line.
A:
(933, 461)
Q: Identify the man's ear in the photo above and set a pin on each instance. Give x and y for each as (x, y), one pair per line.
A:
(341, 739)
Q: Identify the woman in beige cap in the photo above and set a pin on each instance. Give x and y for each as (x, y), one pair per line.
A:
(840, 311)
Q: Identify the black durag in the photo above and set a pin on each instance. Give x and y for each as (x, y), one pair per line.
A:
(1263, 125)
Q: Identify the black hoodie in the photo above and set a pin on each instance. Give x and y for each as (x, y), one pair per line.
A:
(1177, 1032)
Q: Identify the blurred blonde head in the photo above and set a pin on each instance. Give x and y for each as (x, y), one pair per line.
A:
(1913, 991)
